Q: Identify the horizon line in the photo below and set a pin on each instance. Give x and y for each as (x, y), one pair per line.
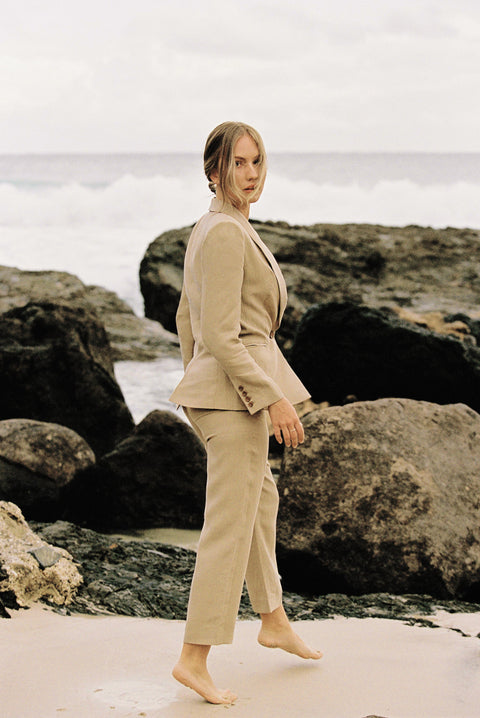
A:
(19, 153)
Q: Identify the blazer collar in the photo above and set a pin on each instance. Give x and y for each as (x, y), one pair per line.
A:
(218, 205)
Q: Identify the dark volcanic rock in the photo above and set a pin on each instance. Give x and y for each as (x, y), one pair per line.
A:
(161, 276)
(36, 461)
(132, 578)
(56, 366)
(131, 337)
(143, 578)
(3, 611)
(343, 349)
(383, 496)
(154, 477)
(419, 267)
(472, 324)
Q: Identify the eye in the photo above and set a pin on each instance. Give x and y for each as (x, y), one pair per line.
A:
(257, 161)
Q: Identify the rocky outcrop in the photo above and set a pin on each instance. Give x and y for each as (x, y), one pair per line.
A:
(383, 496)
(37, 460)
(130, 337)
(345, 351)
(154, 477)
(421, 268)
(31, 569)
(56, 366)
(161, 276)
(144, 578)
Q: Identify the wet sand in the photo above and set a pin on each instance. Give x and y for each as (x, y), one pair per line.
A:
(92, 667)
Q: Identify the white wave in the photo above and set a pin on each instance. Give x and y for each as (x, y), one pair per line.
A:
(159, 203)
(127, 202)
(146, 386)
(389, 202)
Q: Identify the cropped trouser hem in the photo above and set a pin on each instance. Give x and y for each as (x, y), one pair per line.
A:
(238, 536)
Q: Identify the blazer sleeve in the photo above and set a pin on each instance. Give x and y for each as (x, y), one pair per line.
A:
(222, 264)
(184, 328)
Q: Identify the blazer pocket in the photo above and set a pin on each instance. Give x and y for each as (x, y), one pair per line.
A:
(261, 354)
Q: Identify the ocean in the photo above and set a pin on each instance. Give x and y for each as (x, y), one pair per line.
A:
(94, 215)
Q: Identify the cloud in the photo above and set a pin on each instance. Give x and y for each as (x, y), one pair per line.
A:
(149, 75)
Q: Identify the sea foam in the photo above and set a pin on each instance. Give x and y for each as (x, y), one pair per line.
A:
(162, 202)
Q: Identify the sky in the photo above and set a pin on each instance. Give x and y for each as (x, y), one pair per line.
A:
(310, 75)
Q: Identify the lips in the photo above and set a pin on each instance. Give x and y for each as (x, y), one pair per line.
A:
(250, 189)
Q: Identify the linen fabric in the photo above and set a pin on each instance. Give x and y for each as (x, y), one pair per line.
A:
(238, 535)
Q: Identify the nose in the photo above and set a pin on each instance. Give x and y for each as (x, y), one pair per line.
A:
(253, 171)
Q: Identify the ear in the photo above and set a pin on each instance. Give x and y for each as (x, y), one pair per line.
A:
(214, 177)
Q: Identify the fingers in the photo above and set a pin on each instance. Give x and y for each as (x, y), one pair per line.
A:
(300, 432)
(292, 435)
(296, 435)
(287, 427)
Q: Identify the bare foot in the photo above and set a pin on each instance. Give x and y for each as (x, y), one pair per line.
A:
(276, 632)
(286, 639)
(201, 682)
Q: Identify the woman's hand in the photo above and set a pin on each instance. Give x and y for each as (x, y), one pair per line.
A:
(286, 423)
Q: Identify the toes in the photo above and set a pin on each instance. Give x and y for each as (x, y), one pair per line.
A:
(228, 696)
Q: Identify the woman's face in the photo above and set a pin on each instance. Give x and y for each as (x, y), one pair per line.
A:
(247, 173)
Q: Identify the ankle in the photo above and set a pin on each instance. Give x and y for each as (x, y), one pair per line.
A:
(276, 620)
(194, 654)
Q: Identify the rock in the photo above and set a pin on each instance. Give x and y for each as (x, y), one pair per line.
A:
(417, 267)
(472, 322)
(304, 285)
(19, 287)
(46, 556)
(148, 578)
(161, 276)
(383, 496)
(37, 460)
(56, 366)
(439, 323)
(3, 611)
(345, 350)
(154, 477)
(131, 337)
(23, 579)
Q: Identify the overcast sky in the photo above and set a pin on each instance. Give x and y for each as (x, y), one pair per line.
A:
(157, 75)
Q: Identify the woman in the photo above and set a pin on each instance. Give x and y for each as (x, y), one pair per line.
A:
(232, 302)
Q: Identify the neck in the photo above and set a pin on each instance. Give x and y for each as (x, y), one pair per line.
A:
(245, 209)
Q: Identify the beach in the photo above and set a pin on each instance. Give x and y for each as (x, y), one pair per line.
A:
(78, 667)
(95, 216)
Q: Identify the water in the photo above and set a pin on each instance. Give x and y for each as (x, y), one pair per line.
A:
(94, 215)
(147, 385)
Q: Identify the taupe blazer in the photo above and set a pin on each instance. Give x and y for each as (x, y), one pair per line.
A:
(232, 302)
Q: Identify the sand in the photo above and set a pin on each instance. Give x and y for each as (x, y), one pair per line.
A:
(92, 667)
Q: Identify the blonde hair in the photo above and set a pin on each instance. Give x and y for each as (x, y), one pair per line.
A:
(219, 156)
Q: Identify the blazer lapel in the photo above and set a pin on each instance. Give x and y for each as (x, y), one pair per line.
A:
(219, 206)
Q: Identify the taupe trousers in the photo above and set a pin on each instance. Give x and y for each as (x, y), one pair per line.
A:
(238, 538)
